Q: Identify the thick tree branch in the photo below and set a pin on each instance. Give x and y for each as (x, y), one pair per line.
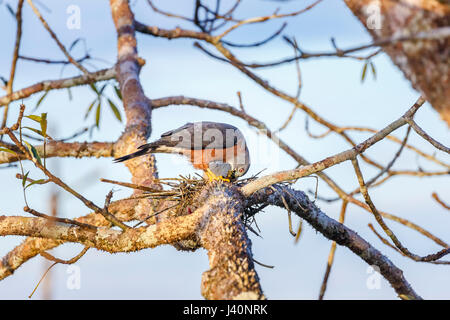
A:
(137, 107)
(124, 210)
(105, 239)
(217, 225)
(62, 149)
(232, 274)
(299, 203)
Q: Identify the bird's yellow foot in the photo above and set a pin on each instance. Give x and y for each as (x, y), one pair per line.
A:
(211, 176)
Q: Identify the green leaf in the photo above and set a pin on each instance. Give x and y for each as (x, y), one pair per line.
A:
(34, 152)
(8, 150)
(97, 114)
(374, 72)
(363, 75)
(115, 110)
(118, 93)
(89, 109)
(24, 179)
(94, 88)
(33, 117)
(44, 124)
(39, 132)
(40, 100)
(40, 181)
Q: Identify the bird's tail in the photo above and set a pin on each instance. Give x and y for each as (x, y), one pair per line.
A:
(139, 153)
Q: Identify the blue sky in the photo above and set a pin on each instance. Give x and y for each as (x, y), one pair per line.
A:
(332, 87)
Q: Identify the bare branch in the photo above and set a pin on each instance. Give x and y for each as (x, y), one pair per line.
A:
(103, 238)
(101, 75)
(48, 61)
(323, 287)
(427, 137)
(442, 203)
(172, 34)
(9, 85)
(62, 149)
(329, 161)
(181, 100)
(53, 35)
(336, 231)
(29, 248)
(266, 18)
(387, 230)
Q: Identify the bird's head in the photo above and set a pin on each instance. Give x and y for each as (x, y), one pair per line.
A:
(238, 171)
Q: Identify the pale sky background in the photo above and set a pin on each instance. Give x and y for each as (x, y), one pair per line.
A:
(332, 87)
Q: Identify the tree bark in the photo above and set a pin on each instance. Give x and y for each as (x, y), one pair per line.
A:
(425, 62)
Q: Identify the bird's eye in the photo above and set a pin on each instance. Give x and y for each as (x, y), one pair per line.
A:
(241, 170)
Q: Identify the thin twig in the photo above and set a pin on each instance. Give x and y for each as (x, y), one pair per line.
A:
(387, 230)
(56, 219)
(53, 35)
(56, 261)
(323, 287)
(442, 203)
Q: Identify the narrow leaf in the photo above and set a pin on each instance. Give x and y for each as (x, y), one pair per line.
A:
(24, 179)
(44, 124)
(102, 88)
(11, 10)
(40, 100)
(118, 93)
(5, 82)
(69, 92)
(40, 181)
(34, 118)
(34, 152)
(74, 43)
(363, 75)
(115, 110)
(7, 150)
(374, 72)
(39, 132)
(91, 130)
(94, 88)
(89, 109)
(97, 115)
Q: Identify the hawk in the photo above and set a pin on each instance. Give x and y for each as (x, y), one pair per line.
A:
(219, 149)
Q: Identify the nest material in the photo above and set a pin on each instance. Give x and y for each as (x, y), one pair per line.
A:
(180, 191)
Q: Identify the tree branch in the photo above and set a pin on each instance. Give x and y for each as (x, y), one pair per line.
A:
(299, 203)
(62, 149)
(332, 160)
(105, 239)
(101, 75)
(222, 232)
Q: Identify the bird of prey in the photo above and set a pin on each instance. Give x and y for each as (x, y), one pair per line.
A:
(219, 149)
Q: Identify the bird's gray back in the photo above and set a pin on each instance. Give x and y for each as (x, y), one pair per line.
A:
(202, 135)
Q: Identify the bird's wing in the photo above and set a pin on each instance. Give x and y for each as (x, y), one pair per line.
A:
(201, 135)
